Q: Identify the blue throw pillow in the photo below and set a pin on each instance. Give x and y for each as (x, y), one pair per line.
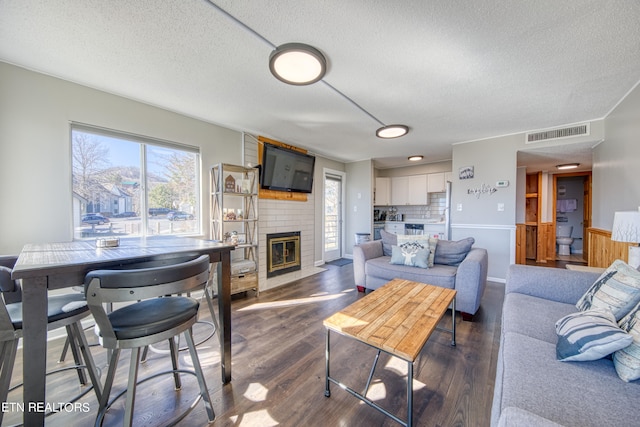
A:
(411, 254)
(589, 335)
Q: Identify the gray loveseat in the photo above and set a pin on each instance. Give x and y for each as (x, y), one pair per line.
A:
(372, 269)
(532, 387)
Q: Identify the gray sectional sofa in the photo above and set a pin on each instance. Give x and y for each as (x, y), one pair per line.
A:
(372, 269)
(532, 387)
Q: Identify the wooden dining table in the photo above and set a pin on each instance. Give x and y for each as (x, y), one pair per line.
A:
(46, 266)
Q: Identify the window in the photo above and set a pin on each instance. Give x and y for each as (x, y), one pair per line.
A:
(128, 185)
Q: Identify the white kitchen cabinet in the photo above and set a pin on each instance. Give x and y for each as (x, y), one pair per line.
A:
(435, 183)
(418, 190)
(409, 190)
(400, 190)
(383, 192)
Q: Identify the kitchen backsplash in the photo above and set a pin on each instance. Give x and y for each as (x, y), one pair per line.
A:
(435, 208)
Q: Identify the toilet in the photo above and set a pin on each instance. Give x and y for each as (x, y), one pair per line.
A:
(564, 239)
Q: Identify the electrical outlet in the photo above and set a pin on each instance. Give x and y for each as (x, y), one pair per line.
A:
(500, 207)
(459, 207)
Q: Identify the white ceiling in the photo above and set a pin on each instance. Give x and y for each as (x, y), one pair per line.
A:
(452, 70)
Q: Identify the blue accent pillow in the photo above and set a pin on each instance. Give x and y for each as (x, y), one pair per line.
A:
(410, 254)
(589, 335)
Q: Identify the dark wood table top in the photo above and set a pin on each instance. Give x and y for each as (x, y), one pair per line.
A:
(37, 259)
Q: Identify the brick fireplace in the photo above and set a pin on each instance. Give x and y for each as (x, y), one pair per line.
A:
(283, 253)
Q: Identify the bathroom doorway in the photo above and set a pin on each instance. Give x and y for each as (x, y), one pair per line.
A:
(572, 211)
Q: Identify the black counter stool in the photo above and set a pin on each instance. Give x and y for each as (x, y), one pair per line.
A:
(156, 313)
(66, 310)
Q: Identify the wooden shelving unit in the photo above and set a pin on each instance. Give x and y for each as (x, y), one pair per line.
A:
(234, 218)
(533, 213)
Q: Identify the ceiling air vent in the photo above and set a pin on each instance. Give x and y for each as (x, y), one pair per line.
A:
(568, 132)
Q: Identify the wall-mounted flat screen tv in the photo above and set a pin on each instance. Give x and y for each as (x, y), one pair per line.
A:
(286, 170)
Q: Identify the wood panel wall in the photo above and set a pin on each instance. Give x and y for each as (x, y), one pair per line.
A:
(602, 250)
(546, 242)
(521, 239)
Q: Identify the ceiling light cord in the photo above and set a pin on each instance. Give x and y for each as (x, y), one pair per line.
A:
(355, 104)
(273, 46)
(240, 23)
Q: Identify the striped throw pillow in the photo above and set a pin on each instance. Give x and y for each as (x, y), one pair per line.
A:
(627, 360)
(617, 289)
(589, 335)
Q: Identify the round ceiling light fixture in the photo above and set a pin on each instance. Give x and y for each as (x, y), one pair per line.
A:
(392, 131)
(415, 158)
(568, 166)
(297, 64)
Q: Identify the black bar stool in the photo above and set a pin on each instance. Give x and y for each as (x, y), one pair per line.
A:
(157, 312)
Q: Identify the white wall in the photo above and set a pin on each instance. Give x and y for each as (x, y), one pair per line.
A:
(493, 160)
(616, 162)
(35, 151)
(359, 200)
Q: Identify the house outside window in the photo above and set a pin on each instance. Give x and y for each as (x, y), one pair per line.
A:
(130, 185)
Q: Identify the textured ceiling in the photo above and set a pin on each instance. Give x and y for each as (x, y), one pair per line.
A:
(452, 70)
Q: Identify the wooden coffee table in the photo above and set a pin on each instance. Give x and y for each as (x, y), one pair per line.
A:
(397, 318)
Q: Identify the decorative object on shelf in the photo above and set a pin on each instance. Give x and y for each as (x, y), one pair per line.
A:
(483, 189)
(465, 172)
(626, 228)
(230, 184)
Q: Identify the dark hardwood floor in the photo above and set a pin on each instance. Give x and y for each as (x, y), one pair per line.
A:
(278, 368)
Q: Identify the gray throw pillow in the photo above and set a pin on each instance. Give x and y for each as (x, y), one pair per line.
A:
(6, 283)
(449, 252)
(388, 241)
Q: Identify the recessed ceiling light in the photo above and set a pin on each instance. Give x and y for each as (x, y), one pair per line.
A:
(568, 166)
(415, 158)
(392, 131)
(297, 64)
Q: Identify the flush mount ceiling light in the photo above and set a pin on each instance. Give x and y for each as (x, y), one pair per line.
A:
(300, 64)
(297, 64)
(568, 166)
(392, 131)
(415, 158)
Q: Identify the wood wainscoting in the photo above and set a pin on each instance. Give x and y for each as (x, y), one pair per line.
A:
(536, 242)
(602, 250)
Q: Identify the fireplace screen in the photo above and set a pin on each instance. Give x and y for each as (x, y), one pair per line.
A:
(283, 253)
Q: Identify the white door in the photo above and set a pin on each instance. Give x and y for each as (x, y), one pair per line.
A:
(333, 214)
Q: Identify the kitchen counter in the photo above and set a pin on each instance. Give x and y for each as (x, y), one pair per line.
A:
(425, 221)
(432, 227)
